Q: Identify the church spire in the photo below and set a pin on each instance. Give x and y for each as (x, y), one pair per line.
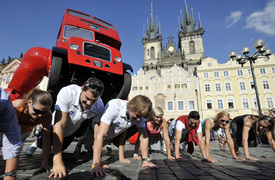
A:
(188, 25)
(200, 25)
(153, 28)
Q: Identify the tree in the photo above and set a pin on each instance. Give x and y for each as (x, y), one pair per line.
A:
(3, 61)
(9, 59)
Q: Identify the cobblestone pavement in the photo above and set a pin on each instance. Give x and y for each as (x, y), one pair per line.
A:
(192, 168)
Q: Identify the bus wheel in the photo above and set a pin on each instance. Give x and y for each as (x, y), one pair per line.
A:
(126, 87)
(55, 74)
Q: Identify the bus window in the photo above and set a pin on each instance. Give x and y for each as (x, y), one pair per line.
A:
(79, 15)
(104, 23)
(70, 31)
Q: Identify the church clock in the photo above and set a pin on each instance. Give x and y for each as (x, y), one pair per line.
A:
(171, 49)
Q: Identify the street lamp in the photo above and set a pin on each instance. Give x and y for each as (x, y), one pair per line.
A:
(262, 50)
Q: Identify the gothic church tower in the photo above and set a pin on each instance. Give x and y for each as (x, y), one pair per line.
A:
(152, 46)
(190, 40)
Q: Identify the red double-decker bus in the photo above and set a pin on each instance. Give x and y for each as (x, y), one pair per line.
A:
(86, 46)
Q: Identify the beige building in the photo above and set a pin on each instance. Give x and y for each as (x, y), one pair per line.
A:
(175, 91)
(230, 87)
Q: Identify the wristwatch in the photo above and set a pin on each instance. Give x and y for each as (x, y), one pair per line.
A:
(146, 159)
(13, 173)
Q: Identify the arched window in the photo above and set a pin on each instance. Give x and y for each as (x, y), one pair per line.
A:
(152, 55)
(192, 46)
(160, 100)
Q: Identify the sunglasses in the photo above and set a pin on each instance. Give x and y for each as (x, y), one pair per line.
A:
(37, 111)
(262, 126)
(224, 121)
(93, 86)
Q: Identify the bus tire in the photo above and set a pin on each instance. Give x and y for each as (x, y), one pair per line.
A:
(126, 87)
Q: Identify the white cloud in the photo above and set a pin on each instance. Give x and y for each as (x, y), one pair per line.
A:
(263, 21)
(234, 17)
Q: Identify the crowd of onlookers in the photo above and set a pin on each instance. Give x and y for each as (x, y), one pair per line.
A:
(80, 113)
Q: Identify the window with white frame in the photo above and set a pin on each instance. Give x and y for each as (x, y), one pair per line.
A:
(218, 87)
(216, 74)
(205, 75)
(220, 103)
(228, 86)
(245, 103)
(265, 84)
(242, 86)
(240, 72)
(207, 87)
(255, 103)
(273, 70)
(180, 105)
(252, 85)
(209, 104)
(230, 103)
(225, 73)
(249, 71)
(170, 106)
(262, 71)
(8, 79)
(269, 102)
(191, 105)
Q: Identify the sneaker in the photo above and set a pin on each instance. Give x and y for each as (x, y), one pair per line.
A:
(30, 150)
(109, 148)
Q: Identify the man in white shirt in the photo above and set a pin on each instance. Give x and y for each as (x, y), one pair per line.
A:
(74, 105)
(120, 115)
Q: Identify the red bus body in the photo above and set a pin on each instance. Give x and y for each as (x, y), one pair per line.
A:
(85, 47)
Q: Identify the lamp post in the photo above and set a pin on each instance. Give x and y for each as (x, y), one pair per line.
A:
(261, 49)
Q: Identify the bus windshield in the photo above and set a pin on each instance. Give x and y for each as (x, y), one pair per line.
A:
(70, 31)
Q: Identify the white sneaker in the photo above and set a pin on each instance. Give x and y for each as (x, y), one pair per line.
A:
(30, 150)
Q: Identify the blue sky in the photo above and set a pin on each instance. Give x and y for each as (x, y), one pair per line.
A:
(228, 24)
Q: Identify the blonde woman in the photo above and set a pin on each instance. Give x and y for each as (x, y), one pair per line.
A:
(154, 126)
(221, 120)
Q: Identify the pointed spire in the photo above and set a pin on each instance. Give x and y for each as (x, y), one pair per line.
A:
(152, 22)
(152, 28)
(193, 19)
(179, 23)
(143, 36)
(200, 25)
(159, 29)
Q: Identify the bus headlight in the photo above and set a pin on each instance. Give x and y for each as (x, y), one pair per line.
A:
(118, 59)
(74, 46)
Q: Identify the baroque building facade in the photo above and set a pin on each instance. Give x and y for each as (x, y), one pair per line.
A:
(230, 87)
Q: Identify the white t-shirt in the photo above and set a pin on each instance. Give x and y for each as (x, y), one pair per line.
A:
(115, 116)
(68, 101)
(180, 126)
